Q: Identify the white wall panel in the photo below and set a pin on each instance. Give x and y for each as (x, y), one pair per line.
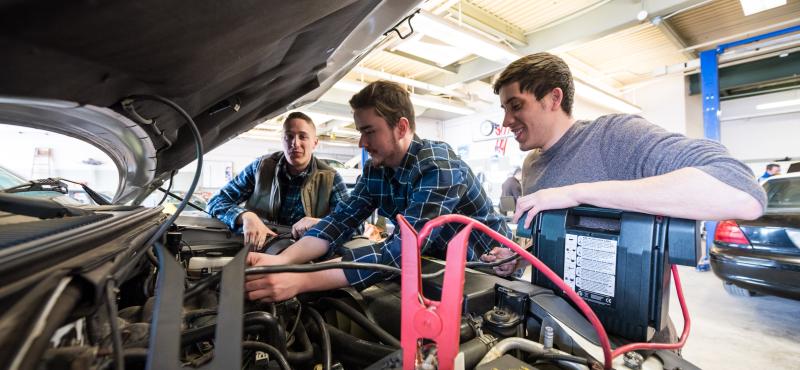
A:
(663, 102)
(753, 134)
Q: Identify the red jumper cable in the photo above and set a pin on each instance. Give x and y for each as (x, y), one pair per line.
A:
(439, 320)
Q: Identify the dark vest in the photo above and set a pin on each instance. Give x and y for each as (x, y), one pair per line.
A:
(315, 192)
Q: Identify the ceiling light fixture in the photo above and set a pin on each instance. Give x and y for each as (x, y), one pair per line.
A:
(601, 98)
(422, 101)
(462, 38)
(778, 104)
(751, 7)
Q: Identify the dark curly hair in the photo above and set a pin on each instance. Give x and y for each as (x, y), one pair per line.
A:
(539, 74)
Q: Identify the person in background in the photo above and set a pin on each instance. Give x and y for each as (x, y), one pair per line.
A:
(512, 186)
(406, 175)
(290, 187)
(771, 170)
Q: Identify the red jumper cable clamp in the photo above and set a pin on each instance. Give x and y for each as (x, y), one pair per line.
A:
(423, 318)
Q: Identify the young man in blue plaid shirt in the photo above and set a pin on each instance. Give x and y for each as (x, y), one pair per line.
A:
(290, 187)
(420, 179)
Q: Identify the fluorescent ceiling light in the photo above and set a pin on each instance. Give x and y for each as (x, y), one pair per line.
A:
(338, 143)
(320, 117)
(440, 104)
(601, 98)
(441, 54)
(259, 134)
(346, 131)
(422, 101)
(756, 6)
(778, 104)
(350, 86)
(467, 40)
(408, 81)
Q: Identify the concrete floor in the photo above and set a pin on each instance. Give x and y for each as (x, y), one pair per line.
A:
(731, 332)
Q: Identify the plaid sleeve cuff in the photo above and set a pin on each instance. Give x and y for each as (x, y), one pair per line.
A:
(333, 232)
(230, 216)
(361, 279)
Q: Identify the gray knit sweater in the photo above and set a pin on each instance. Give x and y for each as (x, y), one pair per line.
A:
(628, 147)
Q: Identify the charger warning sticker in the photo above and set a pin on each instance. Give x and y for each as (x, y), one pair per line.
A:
(590, 266)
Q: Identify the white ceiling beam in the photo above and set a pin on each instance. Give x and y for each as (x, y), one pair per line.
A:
(601, 21)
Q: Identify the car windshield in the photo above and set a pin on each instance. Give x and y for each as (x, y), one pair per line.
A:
(9, 180)
(783, 193)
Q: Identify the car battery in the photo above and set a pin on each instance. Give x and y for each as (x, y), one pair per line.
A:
(617, 261)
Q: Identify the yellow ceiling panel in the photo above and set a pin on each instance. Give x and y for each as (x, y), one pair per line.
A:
(630, 55)
(530, 15)
(723, 18)
(391, 63)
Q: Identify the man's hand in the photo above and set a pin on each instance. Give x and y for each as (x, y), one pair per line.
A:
(543, 200)
(300, 227)
(255, 232)
(283, 286)
(271, 287)
(498, 254)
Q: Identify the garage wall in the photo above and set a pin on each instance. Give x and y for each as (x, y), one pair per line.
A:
(663, 102)
(694, 114)
(760, 136)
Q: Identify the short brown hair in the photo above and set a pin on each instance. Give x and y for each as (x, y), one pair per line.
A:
(390, 100)
(302, 116)
(539, 74)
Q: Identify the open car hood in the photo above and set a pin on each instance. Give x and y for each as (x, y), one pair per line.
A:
(68, 66)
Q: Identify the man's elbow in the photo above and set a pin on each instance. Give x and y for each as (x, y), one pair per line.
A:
(749, 209)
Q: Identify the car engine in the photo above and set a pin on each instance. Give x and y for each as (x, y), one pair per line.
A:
(504, 323)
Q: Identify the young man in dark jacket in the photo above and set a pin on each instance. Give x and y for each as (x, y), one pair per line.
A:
(291, 187)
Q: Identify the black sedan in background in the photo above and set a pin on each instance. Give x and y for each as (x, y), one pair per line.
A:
(763, 255)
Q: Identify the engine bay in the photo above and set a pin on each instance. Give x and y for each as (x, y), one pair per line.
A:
(181, 305)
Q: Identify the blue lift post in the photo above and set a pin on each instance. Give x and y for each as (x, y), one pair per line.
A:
(709, 75)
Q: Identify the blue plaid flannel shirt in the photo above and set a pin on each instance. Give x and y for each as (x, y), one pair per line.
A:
(431, 181)
(226, 205)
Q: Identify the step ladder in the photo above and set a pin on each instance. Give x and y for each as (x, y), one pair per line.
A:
(42, 163)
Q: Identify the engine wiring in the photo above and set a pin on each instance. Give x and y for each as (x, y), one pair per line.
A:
(116, 335)
(169, 187)
(124, 264)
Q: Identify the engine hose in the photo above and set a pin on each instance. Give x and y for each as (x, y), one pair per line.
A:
(362, 321)
(195, 314)
(274, 354)
(567, 361)
(474, 350)
(537, 350)
(63, 305)
(201, 286)
(254, 322)
(307, 352)
(324, 335)
(508, 344)
(358, 350)
(134, 357)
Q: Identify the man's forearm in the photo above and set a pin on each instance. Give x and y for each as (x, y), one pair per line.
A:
(685, 193)
(324, 280)
(304, 250)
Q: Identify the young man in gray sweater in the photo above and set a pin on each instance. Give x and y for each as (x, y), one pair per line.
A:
(617, 161)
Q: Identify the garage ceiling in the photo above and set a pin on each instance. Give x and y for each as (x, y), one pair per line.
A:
(606, 45)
